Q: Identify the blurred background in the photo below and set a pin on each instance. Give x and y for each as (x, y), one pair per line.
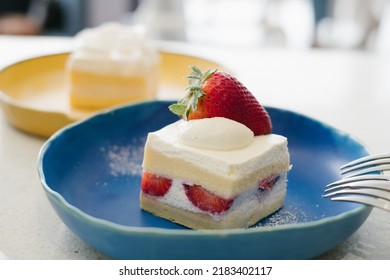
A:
(296, 24)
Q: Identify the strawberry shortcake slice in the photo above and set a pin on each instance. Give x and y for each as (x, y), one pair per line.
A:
(112, 64)
(219, 166)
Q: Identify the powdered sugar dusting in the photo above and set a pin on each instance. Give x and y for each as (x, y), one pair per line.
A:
(285, 216)
(125, 160)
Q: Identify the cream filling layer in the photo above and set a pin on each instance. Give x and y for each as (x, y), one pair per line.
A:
(177, 197)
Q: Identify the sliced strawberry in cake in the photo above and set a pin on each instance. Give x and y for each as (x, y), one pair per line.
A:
(207, 201)
(155, 185)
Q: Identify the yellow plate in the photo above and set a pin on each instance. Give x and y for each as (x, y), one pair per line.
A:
(34, 97)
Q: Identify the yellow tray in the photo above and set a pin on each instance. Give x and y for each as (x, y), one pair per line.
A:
(34, 97)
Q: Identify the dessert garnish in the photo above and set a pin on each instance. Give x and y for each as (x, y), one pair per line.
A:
(219, 94)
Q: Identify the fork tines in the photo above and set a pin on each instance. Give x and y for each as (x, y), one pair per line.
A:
(360, 178)
(360, 185)
(364, 199)
(374, 185)
(373, 163)
(370, 192)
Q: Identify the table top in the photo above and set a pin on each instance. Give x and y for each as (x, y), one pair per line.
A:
(348, 90)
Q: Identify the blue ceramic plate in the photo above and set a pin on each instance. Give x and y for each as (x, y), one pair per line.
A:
(91, 171)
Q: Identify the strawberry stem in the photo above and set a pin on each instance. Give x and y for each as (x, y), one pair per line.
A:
(194, 92)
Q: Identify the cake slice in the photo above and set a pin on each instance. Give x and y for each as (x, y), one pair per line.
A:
(215, 168)
(112, 64)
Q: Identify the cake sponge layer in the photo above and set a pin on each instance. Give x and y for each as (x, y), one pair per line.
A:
(98, 90)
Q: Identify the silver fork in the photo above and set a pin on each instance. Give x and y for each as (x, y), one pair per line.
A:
(359, 186)
(366, 165)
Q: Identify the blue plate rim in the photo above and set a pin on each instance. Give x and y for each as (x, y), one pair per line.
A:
(103, 223)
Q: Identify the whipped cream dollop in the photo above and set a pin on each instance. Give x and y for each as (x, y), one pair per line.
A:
(217, 133)
(125, 46)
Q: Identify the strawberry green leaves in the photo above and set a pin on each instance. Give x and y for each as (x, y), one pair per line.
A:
(193, 92)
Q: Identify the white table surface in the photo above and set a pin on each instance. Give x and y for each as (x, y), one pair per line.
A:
(348, 90)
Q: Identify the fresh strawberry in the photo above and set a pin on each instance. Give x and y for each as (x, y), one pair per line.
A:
(207, 201)
(268, 182)
(155, 185)
(218, 94)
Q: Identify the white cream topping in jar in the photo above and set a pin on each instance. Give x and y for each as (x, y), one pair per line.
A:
(219, 134)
